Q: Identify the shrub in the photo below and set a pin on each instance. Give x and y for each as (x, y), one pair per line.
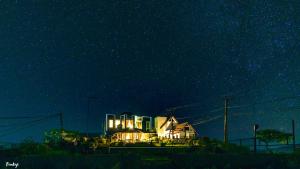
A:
(28, 146)
(163, 144)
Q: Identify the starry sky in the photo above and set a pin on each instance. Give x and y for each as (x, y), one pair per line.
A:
(146, 56)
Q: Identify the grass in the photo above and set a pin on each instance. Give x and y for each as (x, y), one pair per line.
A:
(132, 160)
(210, 155)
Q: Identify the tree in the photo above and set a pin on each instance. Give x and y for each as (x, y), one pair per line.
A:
(55, 137)
(270, 135)
(52, 137)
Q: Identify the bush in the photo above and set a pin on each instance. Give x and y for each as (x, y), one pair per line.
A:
(139, 144)
(232, 148)
(117, 144)
(28, 146)
(163, 144)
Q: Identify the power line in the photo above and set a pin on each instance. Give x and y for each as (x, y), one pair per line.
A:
(198, 106)
(20, 128)
(22, 117)
(15, 124)
(264, 102)
(27, 125)
(217, 117)
(211, 111)
(242, 92)
(208, 120)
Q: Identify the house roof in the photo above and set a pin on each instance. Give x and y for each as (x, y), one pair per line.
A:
(168, 119)
(180, 127)
(126, 113)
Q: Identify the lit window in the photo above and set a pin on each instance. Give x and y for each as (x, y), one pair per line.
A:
(123, 124)
(117, 123)
(129, 124)
(139, 125)
(127, 136)
(111, 123)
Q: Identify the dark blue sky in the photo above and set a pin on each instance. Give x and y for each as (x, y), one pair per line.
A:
(147, 56)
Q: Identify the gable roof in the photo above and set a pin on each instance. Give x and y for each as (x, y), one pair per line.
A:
(168, 119)
(182, 125)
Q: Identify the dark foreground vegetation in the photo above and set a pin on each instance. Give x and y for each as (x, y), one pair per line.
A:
(145, 161)
(210, 155)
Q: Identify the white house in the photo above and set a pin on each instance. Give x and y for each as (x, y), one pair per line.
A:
(169, 127)
(132, 128)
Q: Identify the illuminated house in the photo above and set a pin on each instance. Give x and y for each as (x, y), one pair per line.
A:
(128, 127)
(134, 128)
(169, 127)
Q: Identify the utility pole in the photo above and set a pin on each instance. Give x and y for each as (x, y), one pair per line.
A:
(255, 127)
(294, 139)
(226, 120)
(61, 121)
(90, 98)
(103, 128)
(61, 125)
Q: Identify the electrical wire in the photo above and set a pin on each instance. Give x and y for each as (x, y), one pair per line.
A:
(22, 117)
(265, 102)
(211, 111)
(208, 120)
(27, 125)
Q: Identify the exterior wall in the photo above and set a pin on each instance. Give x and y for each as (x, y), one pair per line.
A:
(132, 136)
(138, 120)
(159, 121)
(125, 121)
(122, 121)
(146, 123)
(190, 133)
(123, 128)
(162, 132)
(126, 136)
(110, 118)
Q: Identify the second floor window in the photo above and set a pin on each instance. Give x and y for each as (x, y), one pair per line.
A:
(147, 125)
(111, 123)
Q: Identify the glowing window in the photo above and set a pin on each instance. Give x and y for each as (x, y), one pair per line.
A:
(129, 124)
(117, 123)
(111, 123)
(127, 136)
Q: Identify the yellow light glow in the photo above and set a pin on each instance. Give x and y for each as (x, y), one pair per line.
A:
(127, 136)
(117, 123)
(130, 125)
(111, 123)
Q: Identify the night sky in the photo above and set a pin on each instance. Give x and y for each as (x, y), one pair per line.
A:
(146, 56)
